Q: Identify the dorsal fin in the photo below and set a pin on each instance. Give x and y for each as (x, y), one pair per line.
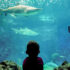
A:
(17, 4)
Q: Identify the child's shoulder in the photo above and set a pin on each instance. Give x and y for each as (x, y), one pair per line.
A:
(25, 59)
(39, 59)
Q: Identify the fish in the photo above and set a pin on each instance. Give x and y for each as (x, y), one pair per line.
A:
(20, 10)
(25, 31)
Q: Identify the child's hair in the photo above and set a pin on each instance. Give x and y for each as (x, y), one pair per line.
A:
(32, 48)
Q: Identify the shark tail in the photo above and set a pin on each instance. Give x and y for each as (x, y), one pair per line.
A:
(1, 10)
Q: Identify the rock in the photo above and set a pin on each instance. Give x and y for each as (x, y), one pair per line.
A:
(9, 65)
(65, 66)
(50, 66)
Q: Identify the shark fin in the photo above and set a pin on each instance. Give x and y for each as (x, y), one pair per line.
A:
(25, 10)
(5, 14)
(13, 15)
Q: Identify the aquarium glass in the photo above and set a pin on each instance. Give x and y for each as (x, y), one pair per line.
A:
(49, 27)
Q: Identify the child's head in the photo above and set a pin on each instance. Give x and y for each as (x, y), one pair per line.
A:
(32, 48)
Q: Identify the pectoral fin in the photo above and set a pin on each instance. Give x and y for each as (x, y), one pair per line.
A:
(5, 14)
(25, 10)
(13, 15)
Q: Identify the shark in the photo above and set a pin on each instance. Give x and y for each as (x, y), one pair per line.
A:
(26, 31)
(20, 10)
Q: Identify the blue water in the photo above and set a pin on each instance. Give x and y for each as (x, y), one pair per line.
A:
(49, 28)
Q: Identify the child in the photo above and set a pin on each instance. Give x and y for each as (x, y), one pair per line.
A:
(33, 62)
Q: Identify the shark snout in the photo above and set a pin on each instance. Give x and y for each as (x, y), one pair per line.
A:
(38, 9)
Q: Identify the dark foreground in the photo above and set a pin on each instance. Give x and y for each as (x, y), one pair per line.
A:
(10, 65)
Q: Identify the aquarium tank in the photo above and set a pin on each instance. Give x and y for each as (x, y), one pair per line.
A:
(47, 26)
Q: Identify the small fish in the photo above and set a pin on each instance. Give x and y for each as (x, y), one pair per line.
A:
(20, 10)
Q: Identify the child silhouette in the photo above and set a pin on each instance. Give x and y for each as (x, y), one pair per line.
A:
(33, 62)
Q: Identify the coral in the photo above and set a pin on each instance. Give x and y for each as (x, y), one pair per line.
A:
(9, 65)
